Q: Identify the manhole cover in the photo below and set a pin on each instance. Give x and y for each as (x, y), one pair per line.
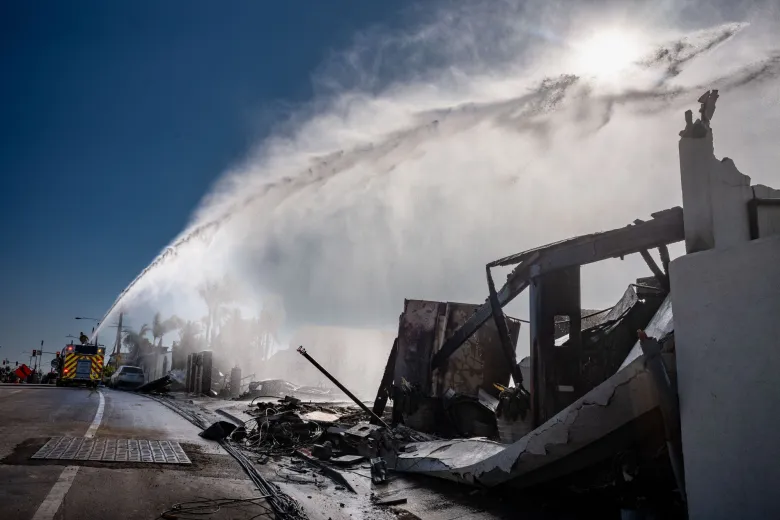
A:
(113, 450)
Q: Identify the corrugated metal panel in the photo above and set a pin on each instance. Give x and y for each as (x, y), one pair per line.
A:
(661, 325)
(416, 334)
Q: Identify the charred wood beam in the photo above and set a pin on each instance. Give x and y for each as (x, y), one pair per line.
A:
(663, 252)
(663, 280)
(503, 331)
(387, 381)
(666, 227)
(507, 293)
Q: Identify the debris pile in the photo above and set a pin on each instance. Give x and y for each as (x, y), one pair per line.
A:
(513, 414)
(325, 432)
(594, 408)
(158, 386)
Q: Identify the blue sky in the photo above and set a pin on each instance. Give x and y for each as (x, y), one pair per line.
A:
(116, 119)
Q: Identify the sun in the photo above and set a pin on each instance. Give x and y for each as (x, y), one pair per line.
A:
(606, 53)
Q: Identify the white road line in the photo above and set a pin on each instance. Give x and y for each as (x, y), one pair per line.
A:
(54, 499)
(98, 417)
(10, 393)
(51, 503)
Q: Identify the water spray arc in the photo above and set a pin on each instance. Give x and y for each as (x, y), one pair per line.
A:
(536, 114)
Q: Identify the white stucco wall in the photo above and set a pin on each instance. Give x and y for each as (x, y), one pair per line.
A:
(715, 198)
(154, 365)
(727, 331)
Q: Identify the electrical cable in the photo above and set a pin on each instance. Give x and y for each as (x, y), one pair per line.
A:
(199, 508)
(283, 506)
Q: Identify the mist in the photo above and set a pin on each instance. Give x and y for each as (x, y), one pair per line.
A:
(480, 130)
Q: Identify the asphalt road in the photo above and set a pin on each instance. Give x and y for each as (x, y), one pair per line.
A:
(54, 489)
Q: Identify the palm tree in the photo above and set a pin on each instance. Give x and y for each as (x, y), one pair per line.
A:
(144, 330)
(215, 294)
(138, 344)
(210, 294)
(160, 328)
(267, 325)
(188, 331)
(157, 328)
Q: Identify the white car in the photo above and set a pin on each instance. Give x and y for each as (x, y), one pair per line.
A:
(127, 376)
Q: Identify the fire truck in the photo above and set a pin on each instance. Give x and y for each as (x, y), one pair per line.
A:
(80, 365)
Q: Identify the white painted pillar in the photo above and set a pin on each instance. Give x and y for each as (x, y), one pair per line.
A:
(715, 197)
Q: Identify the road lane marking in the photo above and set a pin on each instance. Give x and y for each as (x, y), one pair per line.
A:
(10, 393)
(98, 417)
(51, 504)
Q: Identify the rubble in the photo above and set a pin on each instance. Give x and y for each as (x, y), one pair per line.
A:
(594, 406)
(335, 475)
(375, 417)
(463, 422)
(626, 397)
(161, 385)
(488, 433)
(378, 470)
(278, 428)
(513, 414)
(218, 431)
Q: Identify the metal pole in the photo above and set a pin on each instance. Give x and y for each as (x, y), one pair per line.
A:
(302, 351)
(118, 344)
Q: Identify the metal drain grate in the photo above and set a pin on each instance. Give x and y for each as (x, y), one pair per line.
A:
(113, 450)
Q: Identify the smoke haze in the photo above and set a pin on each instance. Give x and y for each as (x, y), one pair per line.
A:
(483, 129)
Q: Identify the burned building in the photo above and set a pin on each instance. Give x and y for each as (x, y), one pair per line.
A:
(420, 395)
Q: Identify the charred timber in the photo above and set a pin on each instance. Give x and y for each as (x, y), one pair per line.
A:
(666, 227)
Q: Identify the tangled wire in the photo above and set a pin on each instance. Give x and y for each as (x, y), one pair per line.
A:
(281, 435)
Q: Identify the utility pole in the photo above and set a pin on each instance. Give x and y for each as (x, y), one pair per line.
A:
(118, 344)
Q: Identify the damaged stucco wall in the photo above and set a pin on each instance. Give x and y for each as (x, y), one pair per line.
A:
(156, 364)
(715, 197)
(727, 325)
(726, 297)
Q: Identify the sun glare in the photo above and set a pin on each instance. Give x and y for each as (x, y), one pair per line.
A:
(606, 53)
